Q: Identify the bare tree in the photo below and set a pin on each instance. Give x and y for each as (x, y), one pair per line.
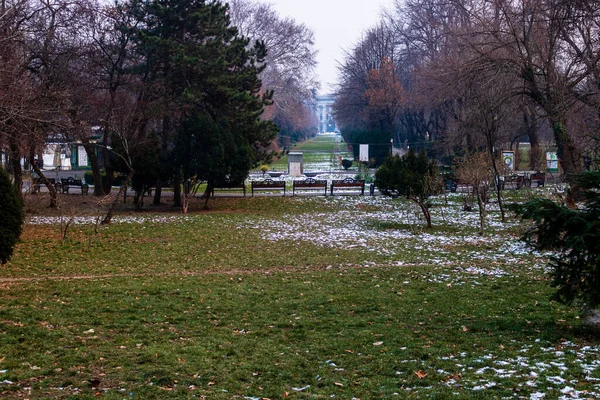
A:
(475, 169)
(385, 94)
(291, 62)
(527, 38)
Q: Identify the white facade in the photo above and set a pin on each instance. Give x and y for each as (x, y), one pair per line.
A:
(324, 110)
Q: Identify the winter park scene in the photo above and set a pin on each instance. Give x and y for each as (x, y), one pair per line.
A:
(248, 199)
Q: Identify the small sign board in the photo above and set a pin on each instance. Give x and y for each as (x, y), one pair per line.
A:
(551, 161)
(364, 153)
(82, 158)
(508, 158)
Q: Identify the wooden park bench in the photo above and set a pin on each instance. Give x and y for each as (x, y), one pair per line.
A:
(38, 182)
(310, 184)
(348, 184)
(537, 179)
(268, 185)
(514, 181)
(66, 183)
(231, 188)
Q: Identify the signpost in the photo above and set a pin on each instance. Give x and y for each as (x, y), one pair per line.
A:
(508, 157)
(364, 153)
(551, 161)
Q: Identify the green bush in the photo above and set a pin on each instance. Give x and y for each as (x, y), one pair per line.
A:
(575, 236)
(11, 217)
(413, 176)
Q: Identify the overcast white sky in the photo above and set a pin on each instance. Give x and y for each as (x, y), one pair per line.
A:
(338, 25)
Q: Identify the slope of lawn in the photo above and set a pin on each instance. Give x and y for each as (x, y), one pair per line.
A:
(313, 297)
(321, 153)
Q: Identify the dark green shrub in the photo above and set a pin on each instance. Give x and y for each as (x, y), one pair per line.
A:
(413, 176)
(11, 217)
(575, 235)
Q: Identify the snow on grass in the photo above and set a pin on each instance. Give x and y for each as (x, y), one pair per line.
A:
(357, 225)
(558, 376)
(130, 219)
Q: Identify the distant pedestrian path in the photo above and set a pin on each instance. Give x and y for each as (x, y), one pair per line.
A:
(321, 153)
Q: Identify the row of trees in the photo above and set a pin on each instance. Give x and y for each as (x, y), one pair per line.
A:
(477, 75)
(472, 77)
(179, 93)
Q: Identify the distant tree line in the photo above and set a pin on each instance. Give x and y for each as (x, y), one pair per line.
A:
(179, 93)
(458, 76)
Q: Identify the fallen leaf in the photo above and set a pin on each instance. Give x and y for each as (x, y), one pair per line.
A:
(420, 374)
(339, 384)
(377, 343)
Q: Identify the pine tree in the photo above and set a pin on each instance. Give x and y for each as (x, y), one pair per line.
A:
(11, 217)
(575, 235)
(208, 78)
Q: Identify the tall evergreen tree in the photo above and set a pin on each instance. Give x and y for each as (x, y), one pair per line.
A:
(11, 217)
(206, 76)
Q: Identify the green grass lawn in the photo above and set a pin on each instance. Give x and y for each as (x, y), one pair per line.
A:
(313, 297)
(320, 153)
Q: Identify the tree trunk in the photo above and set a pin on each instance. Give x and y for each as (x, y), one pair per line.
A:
(157, 193)
(177, 189)
(209, 188)
(425, 211)
(49, 185)
(497, 181)
(90, 150)
(15, 160)
(570, 159)
(568, 154)
(535, 155)
(481, 205)
(107, 185)
(138, 199)
(108, 218)
(189, 191)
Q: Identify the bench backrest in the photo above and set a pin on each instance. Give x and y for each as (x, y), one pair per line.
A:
(310, 183)
(348, 182)
(38, 181)
(268, 183)
(71, 181)
(538, 176)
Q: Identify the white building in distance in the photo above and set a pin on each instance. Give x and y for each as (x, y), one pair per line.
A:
(325, 121)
